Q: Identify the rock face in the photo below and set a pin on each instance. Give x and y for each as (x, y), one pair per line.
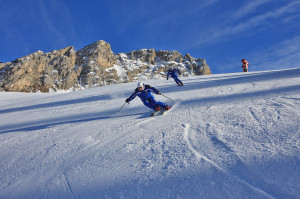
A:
(94, 65)
(40, 72)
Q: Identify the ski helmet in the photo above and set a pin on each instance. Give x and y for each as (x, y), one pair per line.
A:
(140, 84)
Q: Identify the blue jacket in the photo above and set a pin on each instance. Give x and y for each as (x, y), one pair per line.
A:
(144, 94)
(173, 73)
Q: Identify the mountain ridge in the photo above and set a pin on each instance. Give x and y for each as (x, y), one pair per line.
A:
(92, 66)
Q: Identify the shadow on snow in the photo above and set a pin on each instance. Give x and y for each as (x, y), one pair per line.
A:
(40, 124)
(37, 125)
(57, 103)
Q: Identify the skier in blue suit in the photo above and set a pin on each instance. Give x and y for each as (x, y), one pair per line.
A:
(173, 74)
(144, 92)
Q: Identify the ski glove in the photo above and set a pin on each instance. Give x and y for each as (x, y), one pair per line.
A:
(158, 92)
(127, 100)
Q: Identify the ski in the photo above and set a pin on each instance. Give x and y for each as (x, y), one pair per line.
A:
(155, 113)
(160, 112)
(163, 112)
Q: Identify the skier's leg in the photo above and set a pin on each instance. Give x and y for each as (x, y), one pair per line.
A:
(150, 105)
(176, 80)
(161, 104)
(156, 104)
(180, 82)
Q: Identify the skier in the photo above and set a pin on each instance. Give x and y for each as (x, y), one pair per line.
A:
(173, 74)
(144, 92)
(245, 65)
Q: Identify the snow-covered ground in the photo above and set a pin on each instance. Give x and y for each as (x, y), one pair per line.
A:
(227, 136)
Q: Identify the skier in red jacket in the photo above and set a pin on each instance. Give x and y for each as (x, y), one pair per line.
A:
(245, 65)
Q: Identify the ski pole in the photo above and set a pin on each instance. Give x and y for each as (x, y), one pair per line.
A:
(166, 97)
(122, 107)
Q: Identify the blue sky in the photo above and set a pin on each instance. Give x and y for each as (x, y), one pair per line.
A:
(265, 32)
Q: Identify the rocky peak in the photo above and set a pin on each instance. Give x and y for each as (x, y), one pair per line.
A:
(98, 53)
(92, 66)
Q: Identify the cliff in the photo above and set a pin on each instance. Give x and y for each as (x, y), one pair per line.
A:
(94, 65)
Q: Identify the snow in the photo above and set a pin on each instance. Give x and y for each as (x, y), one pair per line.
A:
(226, 136)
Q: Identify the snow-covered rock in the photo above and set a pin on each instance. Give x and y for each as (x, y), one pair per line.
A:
(94, 65)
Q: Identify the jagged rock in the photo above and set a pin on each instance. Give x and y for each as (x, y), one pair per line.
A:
(189, 57)
(136, 64)
(203, 68)
(35, 71)
(94, 65)
(170, 55)
(143, 55)
(24, 73)
(93, 60)
(48, 81)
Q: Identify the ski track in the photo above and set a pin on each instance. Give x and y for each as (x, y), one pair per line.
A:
(190, 146)
(257, 185)
(200, 156)
(77, 157)
(68, 186)
(84, 153)
(144, 121)
(269, 192)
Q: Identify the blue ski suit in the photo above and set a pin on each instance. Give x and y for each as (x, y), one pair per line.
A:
(173, 74)
(147, 97)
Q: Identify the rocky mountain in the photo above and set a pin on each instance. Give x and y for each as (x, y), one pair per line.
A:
(94, 65)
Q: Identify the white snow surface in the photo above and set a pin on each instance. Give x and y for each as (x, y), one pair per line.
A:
(226, 136)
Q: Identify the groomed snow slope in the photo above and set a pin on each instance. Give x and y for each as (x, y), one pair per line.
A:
(227, 136)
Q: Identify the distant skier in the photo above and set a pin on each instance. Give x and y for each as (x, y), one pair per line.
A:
(144, 92)
(245, 65)
(173, 74)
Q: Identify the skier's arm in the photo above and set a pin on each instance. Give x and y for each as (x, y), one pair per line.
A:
(131, 97)
(155, 90)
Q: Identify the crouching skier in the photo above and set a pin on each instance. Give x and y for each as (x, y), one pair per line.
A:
(173, 74)
(144, 92)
